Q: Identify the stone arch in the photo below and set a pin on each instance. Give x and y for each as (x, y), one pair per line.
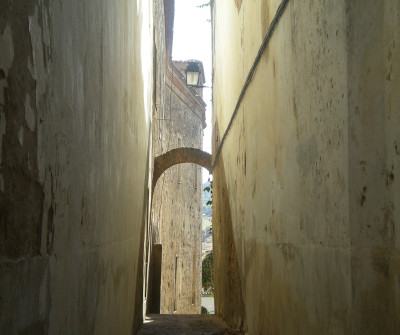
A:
(177, 156)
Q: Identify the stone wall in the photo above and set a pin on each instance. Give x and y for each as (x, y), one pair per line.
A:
(75, 102)
(178, 121)
(306, 190)
(176, 218)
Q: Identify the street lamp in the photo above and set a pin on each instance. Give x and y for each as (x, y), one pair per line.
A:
(192, 74)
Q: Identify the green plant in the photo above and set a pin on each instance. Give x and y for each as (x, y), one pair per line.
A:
(204, 310)
(204, 5)
(207, 4)
(207, 273)
(209, 188)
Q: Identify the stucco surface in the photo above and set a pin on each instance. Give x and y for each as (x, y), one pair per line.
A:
(76, 85)
(309, 168)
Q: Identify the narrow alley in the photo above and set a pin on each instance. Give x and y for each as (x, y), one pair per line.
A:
(101, 156)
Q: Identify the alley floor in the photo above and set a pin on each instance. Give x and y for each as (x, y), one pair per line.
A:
(179, 324)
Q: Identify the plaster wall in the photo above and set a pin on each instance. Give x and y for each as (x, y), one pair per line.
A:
(306, 190)
(75, 102)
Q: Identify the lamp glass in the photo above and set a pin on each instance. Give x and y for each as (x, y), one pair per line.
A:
(192, 78)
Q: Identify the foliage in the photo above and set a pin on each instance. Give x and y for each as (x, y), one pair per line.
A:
(207, 4)
(207, 210)
(204, 310)
(207, 274)
(209, 189)
(204, 5)
(207, 198)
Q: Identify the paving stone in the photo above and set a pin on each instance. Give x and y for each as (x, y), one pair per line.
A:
(183, 325)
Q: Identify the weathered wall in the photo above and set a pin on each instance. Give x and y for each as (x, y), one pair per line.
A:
(176, 208)
(176, 203)
(309, 171)
(75, 100)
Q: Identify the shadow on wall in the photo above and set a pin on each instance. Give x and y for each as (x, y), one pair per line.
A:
(228, 287)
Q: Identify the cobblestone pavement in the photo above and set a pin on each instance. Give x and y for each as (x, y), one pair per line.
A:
(179, 324)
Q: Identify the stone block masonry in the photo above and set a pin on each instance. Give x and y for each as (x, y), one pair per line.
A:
(178, 122)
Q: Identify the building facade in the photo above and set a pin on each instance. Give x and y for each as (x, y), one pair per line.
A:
(178, 121)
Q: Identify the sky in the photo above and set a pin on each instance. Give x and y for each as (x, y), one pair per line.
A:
(192, 40)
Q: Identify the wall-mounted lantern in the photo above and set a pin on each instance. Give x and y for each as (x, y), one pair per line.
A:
(192, 74)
